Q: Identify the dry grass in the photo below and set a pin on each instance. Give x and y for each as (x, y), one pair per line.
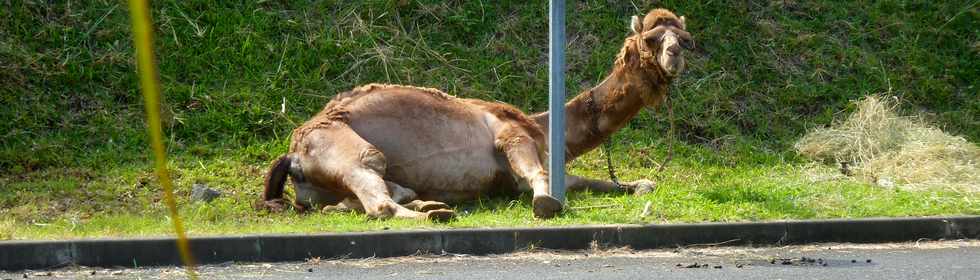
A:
(877, 144)
(6, 229)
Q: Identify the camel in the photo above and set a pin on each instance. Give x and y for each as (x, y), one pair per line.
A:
(406, 151)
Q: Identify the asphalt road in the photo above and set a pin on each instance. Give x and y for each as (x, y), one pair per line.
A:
(923, 260)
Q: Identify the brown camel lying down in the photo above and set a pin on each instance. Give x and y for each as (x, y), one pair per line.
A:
(405, 151)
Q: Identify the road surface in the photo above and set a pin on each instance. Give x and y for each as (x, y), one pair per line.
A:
(922, 260)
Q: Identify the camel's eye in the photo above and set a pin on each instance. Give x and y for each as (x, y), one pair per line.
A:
(687, 44)
(654, 43)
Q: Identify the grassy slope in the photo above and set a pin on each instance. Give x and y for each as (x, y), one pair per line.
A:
(73, 160)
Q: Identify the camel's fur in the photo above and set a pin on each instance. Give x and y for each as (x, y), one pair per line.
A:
(378, 148)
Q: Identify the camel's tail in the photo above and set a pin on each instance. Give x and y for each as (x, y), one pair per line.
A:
(275, 182)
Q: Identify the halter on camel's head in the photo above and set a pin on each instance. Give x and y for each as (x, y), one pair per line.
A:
(660, 39)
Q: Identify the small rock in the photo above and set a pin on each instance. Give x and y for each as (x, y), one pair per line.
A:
(718, 266)
(824, 264)
(201, 192)
(885, 182)
(309, 270)
(854, 261)
(738, 266)
(868, 261)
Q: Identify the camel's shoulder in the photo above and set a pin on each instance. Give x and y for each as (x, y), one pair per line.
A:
(509, 113)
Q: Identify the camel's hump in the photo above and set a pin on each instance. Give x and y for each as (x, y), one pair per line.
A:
(376, 88)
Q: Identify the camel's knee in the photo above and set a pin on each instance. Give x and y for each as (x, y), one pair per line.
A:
(373, 159)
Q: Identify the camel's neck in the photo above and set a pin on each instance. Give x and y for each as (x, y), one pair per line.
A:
(594, 115)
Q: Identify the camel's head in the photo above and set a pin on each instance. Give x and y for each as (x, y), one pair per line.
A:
(661, 38)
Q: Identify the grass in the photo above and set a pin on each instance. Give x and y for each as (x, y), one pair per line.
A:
(689, 192)
(73, 152)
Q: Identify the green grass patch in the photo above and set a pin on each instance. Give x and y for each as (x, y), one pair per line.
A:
(127, 203)
(73, 152)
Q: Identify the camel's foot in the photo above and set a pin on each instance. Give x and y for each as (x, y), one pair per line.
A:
(440, 215)
(641, 187)
(425, 206)
(545, 206)
(339, 208)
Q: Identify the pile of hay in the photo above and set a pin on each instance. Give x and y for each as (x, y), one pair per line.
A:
(878, 145)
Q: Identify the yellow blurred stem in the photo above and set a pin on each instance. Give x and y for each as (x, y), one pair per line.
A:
(150, 85)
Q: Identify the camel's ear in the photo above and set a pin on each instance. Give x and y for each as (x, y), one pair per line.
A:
(636, 25)
(683, 23)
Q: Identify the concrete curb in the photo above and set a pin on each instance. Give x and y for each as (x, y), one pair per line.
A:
(18, 255)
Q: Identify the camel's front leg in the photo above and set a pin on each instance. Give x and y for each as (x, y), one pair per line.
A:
(525, 162)
(638, 187)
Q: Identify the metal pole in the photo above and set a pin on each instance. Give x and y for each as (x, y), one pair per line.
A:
(556, 98)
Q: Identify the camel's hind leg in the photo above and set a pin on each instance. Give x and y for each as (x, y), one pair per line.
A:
(336, 154)
(525, 159)
(407, 197)
(309, 196)
(404, 196)
(354, 205)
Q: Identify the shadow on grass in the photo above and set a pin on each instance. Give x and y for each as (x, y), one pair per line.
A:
(768, 199)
